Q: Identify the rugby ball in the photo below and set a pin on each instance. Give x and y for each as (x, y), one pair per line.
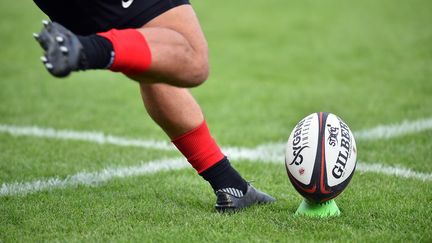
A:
(320, 156)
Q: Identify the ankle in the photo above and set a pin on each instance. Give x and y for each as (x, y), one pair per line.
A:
(223, 176)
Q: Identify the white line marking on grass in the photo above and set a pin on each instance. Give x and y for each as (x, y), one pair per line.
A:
(270, 153)
(393, 171)
(91, 178)
(395, 130)
(95, 137)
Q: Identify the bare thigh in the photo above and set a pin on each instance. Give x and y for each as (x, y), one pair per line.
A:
(179, 49)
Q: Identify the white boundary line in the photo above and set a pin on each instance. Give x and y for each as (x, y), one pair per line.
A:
(272, 153)
(91, 178)
(95, 137)
(395, 130)
(393, 171)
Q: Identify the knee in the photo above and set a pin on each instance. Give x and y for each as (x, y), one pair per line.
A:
(199, 73)
(191, 74)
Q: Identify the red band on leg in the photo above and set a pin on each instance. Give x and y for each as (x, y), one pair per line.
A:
(132, 52)
(199, 148)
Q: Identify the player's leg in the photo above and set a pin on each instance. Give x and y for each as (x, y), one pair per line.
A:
(179, 115)
(175, 110)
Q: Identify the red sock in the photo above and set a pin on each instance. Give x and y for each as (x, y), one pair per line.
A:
(199, 148)
(132, 52)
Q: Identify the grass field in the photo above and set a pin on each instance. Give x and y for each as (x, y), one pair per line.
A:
(273, 62)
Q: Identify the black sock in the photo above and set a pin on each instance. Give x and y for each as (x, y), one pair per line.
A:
(98, 51)
(222, 175)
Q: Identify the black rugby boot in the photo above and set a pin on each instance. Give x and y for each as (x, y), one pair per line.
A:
(63, 50)
(229, 200)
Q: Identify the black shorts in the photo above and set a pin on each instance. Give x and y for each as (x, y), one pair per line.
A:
(86, 17)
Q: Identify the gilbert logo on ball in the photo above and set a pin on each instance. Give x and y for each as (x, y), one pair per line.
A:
(321, 157)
